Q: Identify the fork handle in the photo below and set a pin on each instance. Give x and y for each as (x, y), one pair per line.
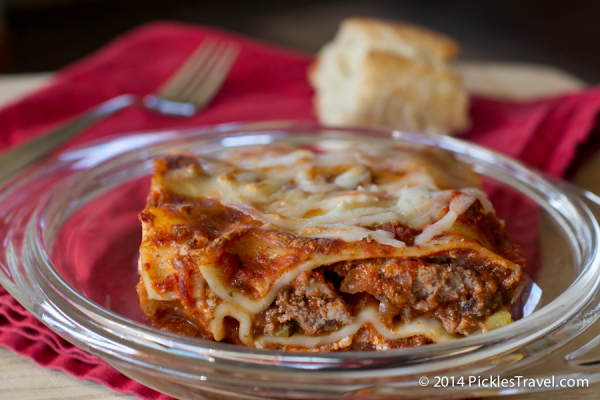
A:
(14, 160)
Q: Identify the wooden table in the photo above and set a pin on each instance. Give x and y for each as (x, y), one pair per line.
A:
(22, 379)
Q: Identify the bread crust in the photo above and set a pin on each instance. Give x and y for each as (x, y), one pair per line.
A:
(428, 98)
(433, 45)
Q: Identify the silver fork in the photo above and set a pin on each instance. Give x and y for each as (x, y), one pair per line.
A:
(186, 92)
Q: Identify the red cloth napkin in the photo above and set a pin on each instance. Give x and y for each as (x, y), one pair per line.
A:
(266, 83)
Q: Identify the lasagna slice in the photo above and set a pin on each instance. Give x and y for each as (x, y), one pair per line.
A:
(341, 246)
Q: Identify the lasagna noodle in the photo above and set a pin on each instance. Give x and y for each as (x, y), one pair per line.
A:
(420, 326)
(215, 280)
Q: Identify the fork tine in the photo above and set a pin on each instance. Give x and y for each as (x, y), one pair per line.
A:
(203, 71)
(215, 79)
(179, 80)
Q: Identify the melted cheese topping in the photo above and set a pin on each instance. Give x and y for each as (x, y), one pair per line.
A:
(458, 205)
(357, 233)
(336, 192)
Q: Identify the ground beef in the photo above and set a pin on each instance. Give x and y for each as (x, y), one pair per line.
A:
(401, 232)
(460, 296)
(312, 303)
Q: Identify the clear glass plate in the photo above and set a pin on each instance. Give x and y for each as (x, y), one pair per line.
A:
(70, 235)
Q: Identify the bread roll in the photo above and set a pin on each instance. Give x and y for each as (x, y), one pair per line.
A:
(391, 75)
